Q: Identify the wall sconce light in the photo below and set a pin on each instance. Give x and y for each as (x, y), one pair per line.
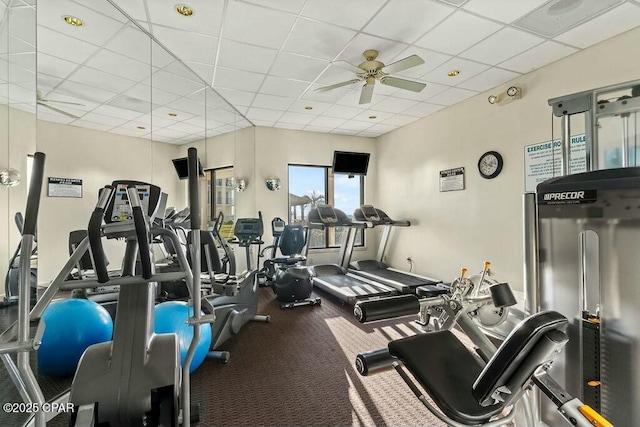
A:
(241, 184)
(505, 97)
(9, 177)
(273, 183)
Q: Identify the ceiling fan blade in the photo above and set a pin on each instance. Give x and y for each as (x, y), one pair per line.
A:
(403, 84)
(58, 110)
(366, 94)
(337, 85)
(62, 102)
(348, 66)
(403, 64)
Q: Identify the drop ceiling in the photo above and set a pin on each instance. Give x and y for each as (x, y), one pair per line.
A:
(268, 57)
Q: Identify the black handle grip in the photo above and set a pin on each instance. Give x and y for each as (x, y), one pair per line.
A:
(374, 361)
(194, 189)
(142, 235)
(386, 308)
(33, 197)
(95, 242)
(502, 295)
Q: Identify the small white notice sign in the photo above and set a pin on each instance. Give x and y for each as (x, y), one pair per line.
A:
(452, 179)
(64, 187)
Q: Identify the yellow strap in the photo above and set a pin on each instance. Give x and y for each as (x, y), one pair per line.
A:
(594, 418)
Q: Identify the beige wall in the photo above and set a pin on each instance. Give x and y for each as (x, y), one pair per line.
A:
(483, 222)
(98, 158)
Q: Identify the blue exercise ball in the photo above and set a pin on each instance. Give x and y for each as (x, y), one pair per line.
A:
(71, 325)
(171, 317)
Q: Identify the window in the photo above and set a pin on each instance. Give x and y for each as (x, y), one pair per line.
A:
(310, 186)
(222, 196)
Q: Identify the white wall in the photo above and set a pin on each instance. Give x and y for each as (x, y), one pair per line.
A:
(98, 158)
(483, 222)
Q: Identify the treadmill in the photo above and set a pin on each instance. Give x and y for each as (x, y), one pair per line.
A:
(375, 269)
(334, 278)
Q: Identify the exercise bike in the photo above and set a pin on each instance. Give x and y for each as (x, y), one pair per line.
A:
(288, 275)
(464, 390)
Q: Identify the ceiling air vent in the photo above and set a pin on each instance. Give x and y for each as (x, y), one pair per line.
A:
(558, 16)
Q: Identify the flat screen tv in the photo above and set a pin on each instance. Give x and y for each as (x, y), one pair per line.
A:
(182, 167)
(350, 163)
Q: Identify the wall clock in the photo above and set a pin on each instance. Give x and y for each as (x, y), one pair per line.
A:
(490, 164)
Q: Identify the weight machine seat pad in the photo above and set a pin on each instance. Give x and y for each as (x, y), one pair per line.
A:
(446, 369)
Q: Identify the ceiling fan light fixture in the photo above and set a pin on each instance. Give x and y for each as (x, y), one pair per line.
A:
(184, 10)
(73, 21)
(453, 73)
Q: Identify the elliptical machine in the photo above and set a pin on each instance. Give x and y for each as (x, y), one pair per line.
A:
(288, 275)
(11, 279)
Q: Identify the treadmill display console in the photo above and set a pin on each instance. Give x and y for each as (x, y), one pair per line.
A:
(370, 213)
(327, 214)
(121, 206)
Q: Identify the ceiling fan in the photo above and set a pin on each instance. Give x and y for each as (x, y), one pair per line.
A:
(40, 100)
(372, 70)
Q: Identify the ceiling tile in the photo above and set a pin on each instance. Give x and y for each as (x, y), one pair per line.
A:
(84, 92)
(467, 70)
(431, 58)
(394, 105)
(327, 122)
(105, 8)
(186, 45)
(133, 43)
(15, 20)
(387, 49)
(97, 28)
(292, 6)
(355, 126)
(205, 19)
(335, 74)
(626, 16)
(400, 120)
(235, 79)
(502, 10)
(284, 87)
(130, 131)
(458, 32)
(342, 111)
(339, 131)
(263, 114)
(317, 106)
(184, 128)
(423, 109)
(105, 120)
(296, 118)
(122, 113)
(293, 126)
(352, 98)
(366, 115)
(160, 134)
(204, 71)
(264, 123)
(54, 66)
(91, 125)
(353, 13)
(317, 39)
(538, 56)
(52, 116)
(245, 57)
(488, 79)
(148, 94)
(432, 89)
(320, 129)
(297, 67)
(165, 111)
(188, 105)
(46, 83)
(59, 45)
(237, 97)
(558, 16)
(272, 102)
(120, 65)
(451, 96)
(501, 46)
(381, 128)
(160, 58)
(407, 20)
(172, 83)
(242, 21)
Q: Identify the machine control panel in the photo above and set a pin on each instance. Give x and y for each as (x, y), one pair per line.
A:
(327, 214)
(370, 213)
(119, 208)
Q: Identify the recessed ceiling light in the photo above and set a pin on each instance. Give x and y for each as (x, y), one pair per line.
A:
(308, 107)
(453, 73)
(373, 117)
(141, 127)
(184, 10)
(173, 114)
(72, 20)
